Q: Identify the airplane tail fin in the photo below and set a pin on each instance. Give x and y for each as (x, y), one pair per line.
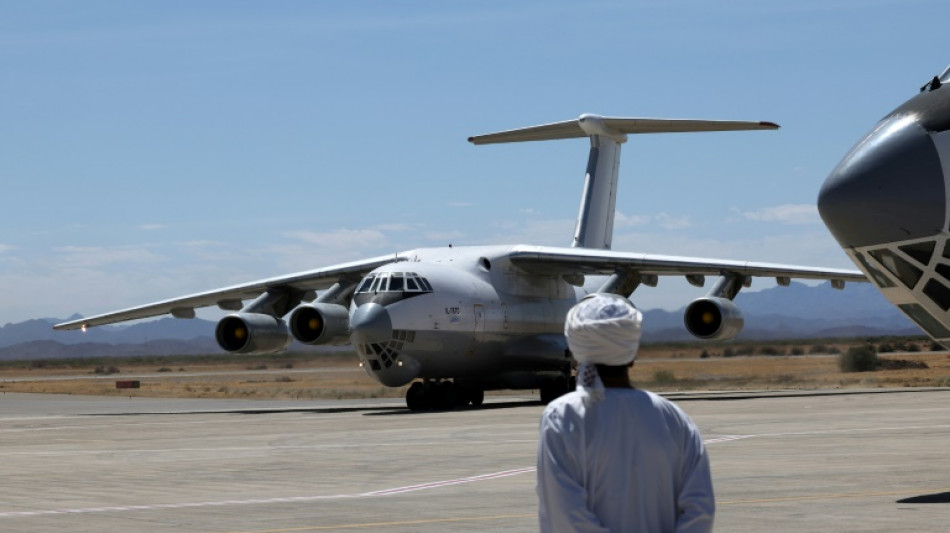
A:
(595, 221)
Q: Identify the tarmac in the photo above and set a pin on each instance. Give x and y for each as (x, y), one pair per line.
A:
(861, 461)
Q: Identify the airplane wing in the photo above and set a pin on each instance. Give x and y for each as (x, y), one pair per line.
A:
(231, 297)
(607, 262)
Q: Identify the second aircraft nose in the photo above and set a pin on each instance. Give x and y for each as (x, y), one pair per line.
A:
(889, 187)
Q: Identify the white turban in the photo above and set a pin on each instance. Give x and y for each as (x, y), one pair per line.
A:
(602, 329)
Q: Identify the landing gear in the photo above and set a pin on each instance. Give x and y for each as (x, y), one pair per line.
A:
(442, 396)
(476, 397)
(416, 397)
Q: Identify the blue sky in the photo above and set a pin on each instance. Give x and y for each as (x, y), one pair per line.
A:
(154, 149)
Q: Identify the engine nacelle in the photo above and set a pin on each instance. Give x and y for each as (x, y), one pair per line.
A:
(252, 334)
(713, 318)
(320, 323)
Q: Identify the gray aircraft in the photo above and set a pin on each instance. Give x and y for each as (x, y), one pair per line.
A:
(462, 320)
(886, 204)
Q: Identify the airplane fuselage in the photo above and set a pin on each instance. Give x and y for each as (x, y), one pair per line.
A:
(483, 320)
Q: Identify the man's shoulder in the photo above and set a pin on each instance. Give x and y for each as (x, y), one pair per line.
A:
(571, 401)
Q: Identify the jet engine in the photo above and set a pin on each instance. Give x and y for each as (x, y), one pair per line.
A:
(252, 334)
(321, 323)
(713, 318)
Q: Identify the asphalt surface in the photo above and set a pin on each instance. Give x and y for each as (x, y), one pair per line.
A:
(836, 462)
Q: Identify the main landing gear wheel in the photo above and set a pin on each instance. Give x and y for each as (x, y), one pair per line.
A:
(416, 397)
(476, 397)
(441, 396)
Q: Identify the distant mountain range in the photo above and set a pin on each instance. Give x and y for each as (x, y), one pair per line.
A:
(797, 311)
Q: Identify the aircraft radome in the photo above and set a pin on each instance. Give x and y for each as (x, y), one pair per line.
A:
(886, 204)
(463, 320)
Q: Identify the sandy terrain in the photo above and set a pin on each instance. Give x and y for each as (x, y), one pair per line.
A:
(662, 369)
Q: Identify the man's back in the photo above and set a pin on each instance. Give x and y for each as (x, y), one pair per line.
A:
(631, 462)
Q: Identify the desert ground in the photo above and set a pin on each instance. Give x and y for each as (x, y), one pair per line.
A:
(664, 368)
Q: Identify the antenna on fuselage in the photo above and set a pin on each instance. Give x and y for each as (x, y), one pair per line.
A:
(595, 221)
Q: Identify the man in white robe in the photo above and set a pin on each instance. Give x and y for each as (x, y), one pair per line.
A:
(615, 458)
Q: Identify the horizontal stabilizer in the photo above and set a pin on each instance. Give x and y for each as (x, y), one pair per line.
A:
(588, 125)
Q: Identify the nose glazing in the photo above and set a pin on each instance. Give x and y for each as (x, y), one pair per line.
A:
(888, 188)
(371, 323)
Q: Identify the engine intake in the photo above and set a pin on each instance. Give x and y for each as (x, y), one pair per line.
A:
(713, 318)
(252, 334)
(321, 323)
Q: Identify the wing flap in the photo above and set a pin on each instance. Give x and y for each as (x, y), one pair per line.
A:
(607, 262)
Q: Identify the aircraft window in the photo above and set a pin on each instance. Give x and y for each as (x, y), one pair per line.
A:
(396, 282)
(943, 270)
(906, 272)
(365, 284)
(393, 282)
(921, 251)
(879, 278)
(938, 293)
(923, 319)
(416, 283)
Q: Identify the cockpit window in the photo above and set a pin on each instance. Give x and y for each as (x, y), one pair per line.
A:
(425, 285)
(365, 284)
(903, 270)
(394, 282)
(927, 322)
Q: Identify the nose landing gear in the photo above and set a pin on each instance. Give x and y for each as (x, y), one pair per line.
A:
(442, 396)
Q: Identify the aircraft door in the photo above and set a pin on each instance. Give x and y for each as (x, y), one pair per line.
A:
(478, 314)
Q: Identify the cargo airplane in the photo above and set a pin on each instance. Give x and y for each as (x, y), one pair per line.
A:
(458, 321)
(887, 202)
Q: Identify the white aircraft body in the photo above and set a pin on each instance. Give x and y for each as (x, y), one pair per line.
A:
(466, 319)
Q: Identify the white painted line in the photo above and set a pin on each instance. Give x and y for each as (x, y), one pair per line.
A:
(295, 499)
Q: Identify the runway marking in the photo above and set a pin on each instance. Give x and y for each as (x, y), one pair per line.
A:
(384, 524)
(727, 438)
(832, 496)
(292, 499)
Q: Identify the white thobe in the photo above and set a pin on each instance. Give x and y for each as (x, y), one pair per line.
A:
(631, 462)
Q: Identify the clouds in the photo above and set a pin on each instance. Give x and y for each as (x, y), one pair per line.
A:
(340, 238)
(101, 256)
(792, 214)
(661, 220)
